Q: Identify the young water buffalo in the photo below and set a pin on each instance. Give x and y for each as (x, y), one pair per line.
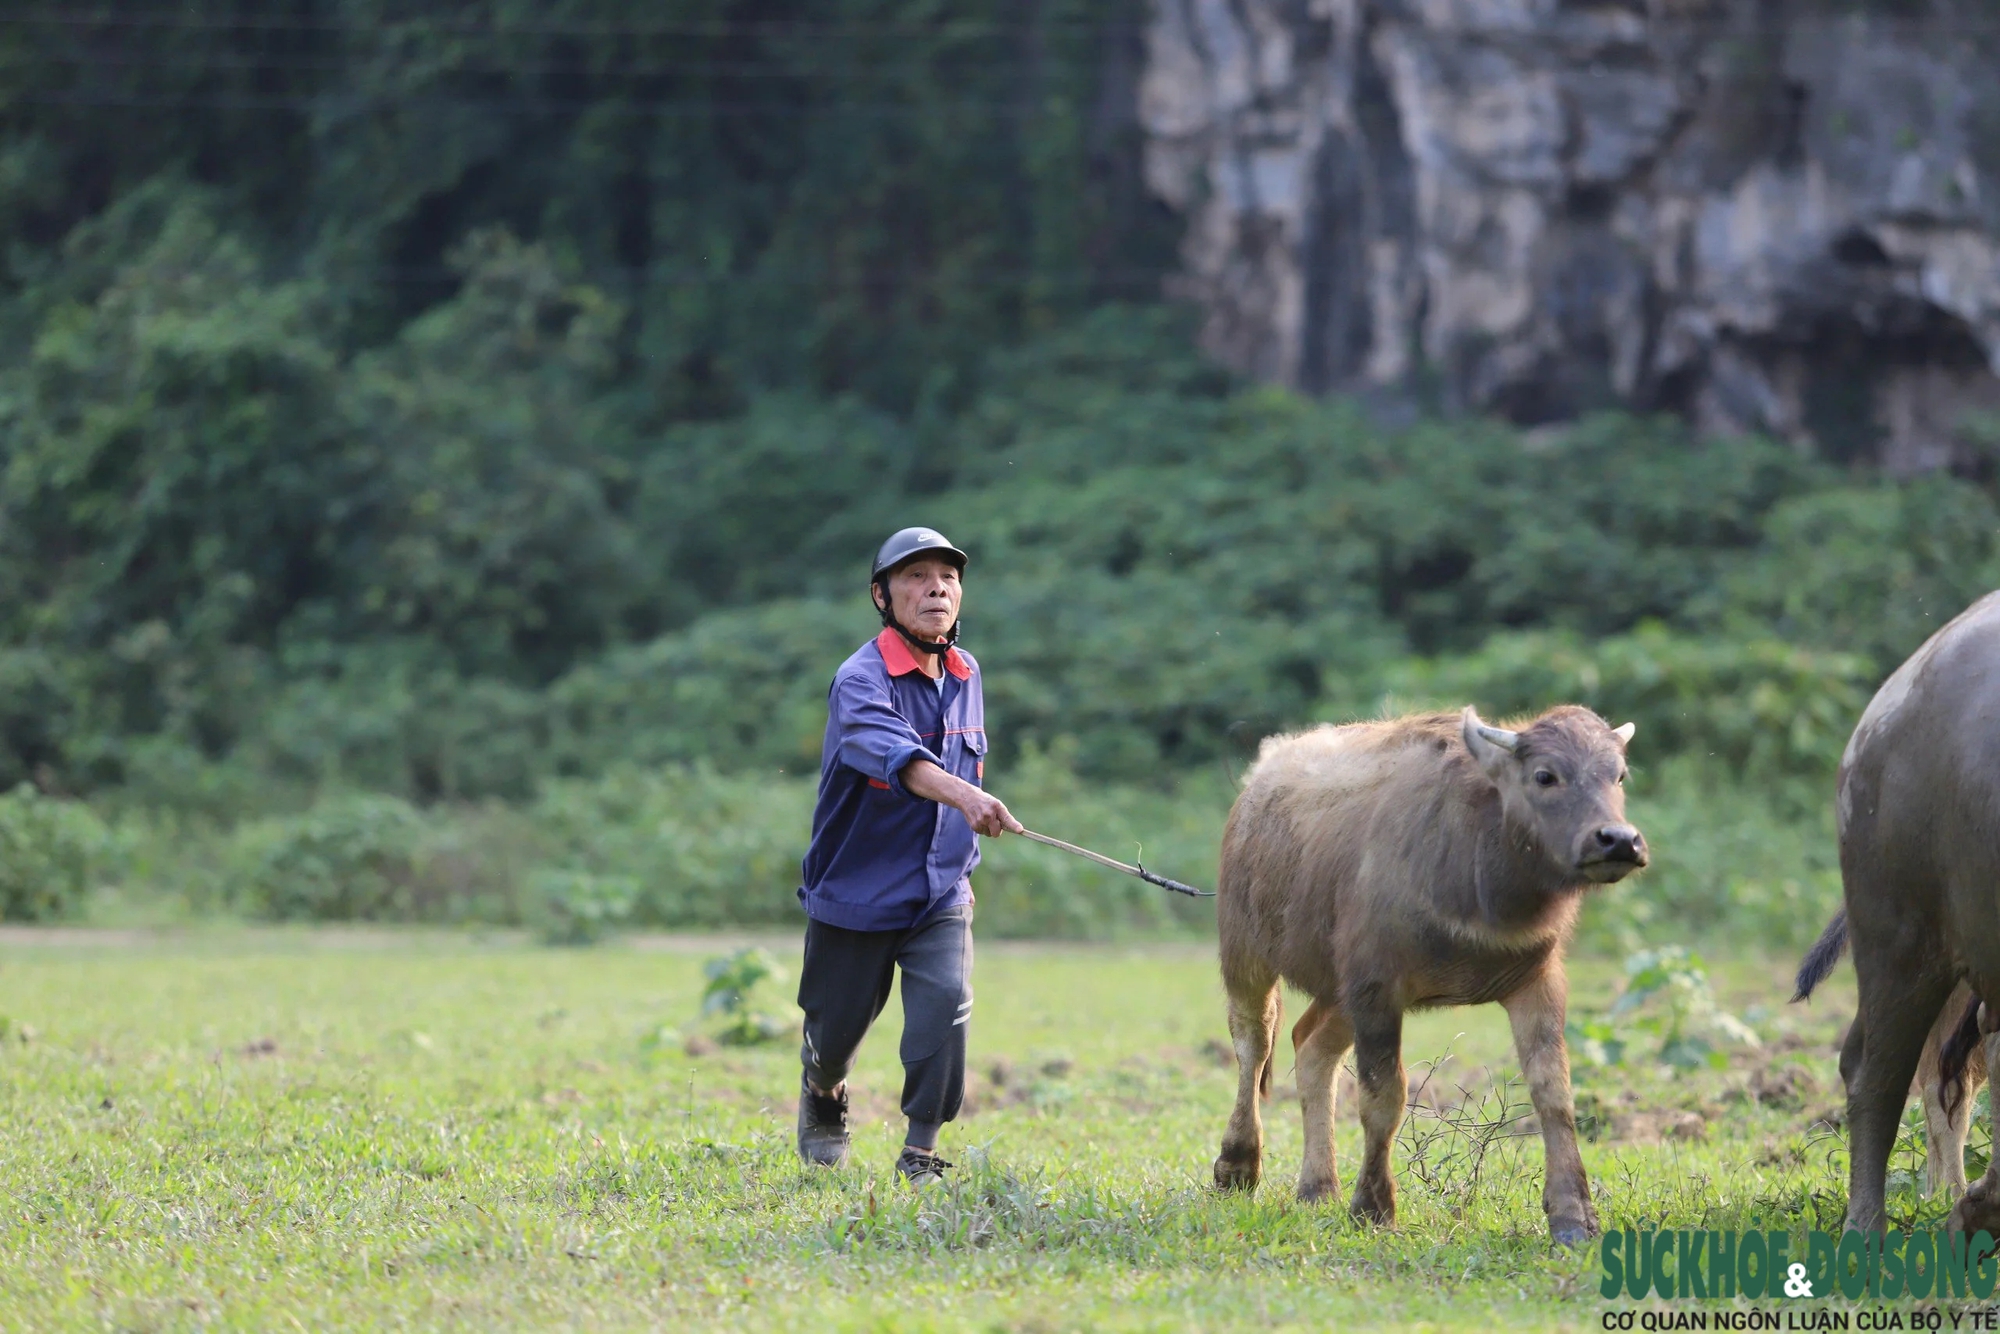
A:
(1389, 866)
(1919, 813)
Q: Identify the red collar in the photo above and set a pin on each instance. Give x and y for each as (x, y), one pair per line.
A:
(901, 660)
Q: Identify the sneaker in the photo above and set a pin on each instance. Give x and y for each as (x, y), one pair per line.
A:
(920, 1167)
(823, 1135)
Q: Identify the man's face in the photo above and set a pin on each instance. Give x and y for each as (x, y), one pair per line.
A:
(924, 594)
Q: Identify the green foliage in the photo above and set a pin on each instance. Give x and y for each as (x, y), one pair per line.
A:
(175, 476)
(737, 984)
(691, 848)
(712, 849)
(736, 690)
(1285, 560)
(703, 850)
(395, 715)
(707, 849)
(215, 524)
(579, 908)
(1869, 570)
(496, 538)
(856, 195)
(49, 851)
(765, 505)
(484, 569)
(1755, 860)
(352, 858)
(1025, 889)
(1667, 997)
(1165, 592)
(1763, 708)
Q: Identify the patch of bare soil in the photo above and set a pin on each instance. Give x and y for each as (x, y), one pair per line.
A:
(1005, 1084)
(1655, 1127)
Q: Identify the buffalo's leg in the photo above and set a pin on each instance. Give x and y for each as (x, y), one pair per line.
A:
(1897, 1006)
(1945, 1131)
(1378, 1068)
(1253, 1029)
(1850, 1053)
(1536, 1013)
(1944, 1139)
(1980, 1207)
(1322, 1037)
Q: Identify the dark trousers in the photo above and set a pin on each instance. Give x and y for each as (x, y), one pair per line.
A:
(845, 984)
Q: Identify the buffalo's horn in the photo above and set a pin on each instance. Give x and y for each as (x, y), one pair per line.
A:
(1496, 736)
(1624, 733)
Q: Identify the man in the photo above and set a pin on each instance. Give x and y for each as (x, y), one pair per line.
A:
(887, 878)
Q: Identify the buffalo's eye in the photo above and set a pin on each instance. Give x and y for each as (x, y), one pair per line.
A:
(1543, 778)
(1621, 778)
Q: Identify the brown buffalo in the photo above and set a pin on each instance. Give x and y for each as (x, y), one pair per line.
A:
(1389, 866)
(1918, 806)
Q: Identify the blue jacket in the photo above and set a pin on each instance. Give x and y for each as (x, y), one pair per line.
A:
(882, 859)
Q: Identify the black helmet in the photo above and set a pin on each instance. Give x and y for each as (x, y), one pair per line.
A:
(912, 542)
(900, 547)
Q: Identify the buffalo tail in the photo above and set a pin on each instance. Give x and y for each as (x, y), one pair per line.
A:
(1824, 954)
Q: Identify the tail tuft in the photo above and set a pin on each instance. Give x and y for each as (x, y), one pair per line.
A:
(1821, 958)
(1952, 1056)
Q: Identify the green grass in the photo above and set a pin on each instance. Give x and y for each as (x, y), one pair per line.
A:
(277, 1129)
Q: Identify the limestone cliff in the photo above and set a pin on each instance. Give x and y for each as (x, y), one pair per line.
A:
(1766, 214)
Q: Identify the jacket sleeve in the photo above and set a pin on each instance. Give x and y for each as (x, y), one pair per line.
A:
(874, 739)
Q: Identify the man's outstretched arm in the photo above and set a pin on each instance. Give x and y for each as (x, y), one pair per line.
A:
(985, 812)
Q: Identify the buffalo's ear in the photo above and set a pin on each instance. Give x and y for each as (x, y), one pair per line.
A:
(1624, 733)
(1492, 747)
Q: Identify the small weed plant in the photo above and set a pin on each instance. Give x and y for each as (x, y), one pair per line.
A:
(1667, 1002)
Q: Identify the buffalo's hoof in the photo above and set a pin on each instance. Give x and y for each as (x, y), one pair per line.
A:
(1312, 1192)
(1570, 1232)
(1978, 1210)
(1238, 1170)
(1572, 1223)
(1374, 1204)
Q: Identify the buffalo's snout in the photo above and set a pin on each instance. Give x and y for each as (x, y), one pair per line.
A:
(1612, 852)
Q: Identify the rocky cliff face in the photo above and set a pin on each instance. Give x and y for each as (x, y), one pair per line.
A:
(1766, 214)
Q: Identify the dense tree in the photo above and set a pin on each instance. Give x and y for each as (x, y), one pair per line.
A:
(848, 196)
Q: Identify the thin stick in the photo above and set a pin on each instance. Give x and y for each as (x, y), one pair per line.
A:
(1113, 865)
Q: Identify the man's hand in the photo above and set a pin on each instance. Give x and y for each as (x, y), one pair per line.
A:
(986, 814)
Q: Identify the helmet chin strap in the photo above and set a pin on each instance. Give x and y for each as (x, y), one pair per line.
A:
(923, 645)
(950, 638)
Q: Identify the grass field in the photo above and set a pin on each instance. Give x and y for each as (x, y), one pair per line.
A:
(277, 1130)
